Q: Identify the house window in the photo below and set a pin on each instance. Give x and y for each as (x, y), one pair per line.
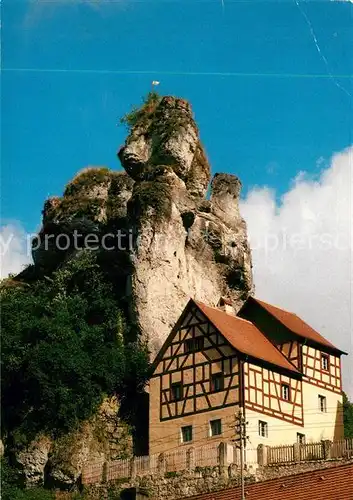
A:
(263, 428)
(300, 438)
(195, 344)
(216, 427)
(324, 362)
(176, 392)
(322, 404)
(217, 382)
(285, 391)
(186, 434)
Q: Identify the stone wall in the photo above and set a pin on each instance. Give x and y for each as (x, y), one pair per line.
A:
(173, 486)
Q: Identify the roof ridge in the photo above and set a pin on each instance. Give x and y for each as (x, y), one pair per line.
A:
(227, 314)
(278, 307)
(230, 337)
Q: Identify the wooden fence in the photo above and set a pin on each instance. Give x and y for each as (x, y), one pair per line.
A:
(210, 455)
(322, 450)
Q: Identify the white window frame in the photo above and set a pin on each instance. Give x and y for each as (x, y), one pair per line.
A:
(325, 360)
(220, 427)
(322, 403)
(285, 388)
(263, 428)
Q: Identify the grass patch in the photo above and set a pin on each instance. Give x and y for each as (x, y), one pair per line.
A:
(143, 113)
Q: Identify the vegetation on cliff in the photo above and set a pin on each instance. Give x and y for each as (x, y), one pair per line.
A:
(139, 114)
(64, 347)
(347, 416)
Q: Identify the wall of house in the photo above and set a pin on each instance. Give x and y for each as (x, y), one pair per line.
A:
(313, 369)
(263, 393)
(317, 425)
(280, 432)
(165, 436)
(322, 425)
(200, 403)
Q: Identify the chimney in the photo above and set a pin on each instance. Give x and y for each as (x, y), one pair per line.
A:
(226, 305)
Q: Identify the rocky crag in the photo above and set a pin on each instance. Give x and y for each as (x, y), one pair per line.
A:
(175, 241)
(162, 238)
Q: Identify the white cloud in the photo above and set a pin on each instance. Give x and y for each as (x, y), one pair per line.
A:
(302, 251)
(14, 250)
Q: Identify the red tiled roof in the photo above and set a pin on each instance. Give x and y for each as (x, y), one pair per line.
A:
(295, 324)
(332, 483)
(245, 337)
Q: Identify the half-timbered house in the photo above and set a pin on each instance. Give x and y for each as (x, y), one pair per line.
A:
(318, 360)
(215, 363)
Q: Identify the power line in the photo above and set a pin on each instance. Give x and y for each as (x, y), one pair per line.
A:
(172, 73)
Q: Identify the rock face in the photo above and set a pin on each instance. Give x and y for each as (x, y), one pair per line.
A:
(174, 242)
(103, 438)
(59, 463)
(32, 460)
(184, 245)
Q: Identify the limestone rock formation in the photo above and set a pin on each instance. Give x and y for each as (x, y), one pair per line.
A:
(102, 438)
(185, 245)
(58, 463)
(176, 243)
(32, 460)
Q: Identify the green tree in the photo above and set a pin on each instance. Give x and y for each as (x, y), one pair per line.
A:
(63, 349)
(11, 491)
(347, 417)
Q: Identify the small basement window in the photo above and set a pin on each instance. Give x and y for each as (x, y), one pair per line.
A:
(263, 428)
(325, 362)
(216, 427)
(322, 404)
(186, 434)
(176, 391)
(217, 382)
(285, 392)
(193, 345)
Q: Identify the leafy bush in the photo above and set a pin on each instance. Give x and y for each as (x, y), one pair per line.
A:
(141, 114)
(10, 490)
(87, 178)
(63, 349)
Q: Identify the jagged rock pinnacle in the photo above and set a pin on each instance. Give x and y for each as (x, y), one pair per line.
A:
(183, 245)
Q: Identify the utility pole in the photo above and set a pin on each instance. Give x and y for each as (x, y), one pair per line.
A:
(241, 429)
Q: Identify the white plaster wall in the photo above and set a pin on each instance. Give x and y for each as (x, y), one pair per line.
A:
(279, 433)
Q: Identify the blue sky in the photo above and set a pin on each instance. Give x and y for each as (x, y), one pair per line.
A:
(71, 69)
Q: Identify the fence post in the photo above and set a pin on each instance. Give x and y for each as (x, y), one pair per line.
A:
(105, 472)
(262, 455)
(190, 459)
(225, 452)
(132, 467)
(296, 452)
(161, 463)
(326, 445)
